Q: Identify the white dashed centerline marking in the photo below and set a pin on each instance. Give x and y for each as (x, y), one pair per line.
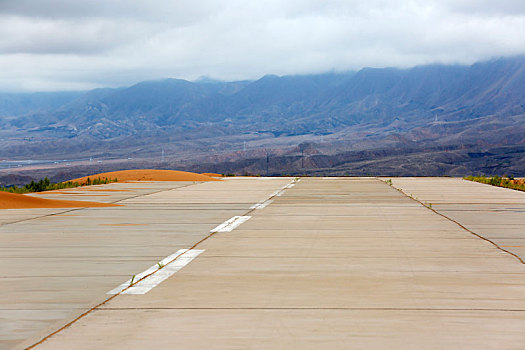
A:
(262, 205)
(157, 275)
(277, 193)
(230, 224)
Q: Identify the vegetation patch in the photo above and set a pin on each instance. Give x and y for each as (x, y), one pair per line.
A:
(505, 181)
(46, 185)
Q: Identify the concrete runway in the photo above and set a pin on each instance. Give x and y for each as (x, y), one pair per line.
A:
(329, 263)
(496, 213)
(56, 264)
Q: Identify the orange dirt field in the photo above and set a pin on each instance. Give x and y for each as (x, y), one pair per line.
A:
(148, 175)
(102, 189)
(213, 174)
(20, 201)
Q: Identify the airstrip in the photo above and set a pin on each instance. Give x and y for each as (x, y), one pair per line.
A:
(310, 263)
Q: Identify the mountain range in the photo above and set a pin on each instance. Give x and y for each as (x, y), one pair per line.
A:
(461, 109)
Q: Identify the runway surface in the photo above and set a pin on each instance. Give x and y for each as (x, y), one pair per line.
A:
(268, 263)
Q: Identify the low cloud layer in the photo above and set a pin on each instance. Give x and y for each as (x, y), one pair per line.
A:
(68, 45)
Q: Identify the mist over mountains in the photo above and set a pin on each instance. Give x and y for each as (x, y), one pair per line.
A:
(453, 119)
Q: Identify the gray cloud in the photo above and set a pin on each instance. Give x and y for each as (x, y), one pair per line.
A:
(61, 44)
(180, 11)
(487, 7)
(45, 36)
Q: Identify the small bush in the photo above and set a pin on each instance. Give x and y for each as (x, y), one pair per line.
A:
(46, 185)
(499, 181)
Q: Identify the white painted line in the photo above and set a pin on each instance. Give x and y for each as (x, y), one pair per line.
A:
(262, 205)
(236, 223)
(224, 224)
(280, 193)
(275, 193)
(230, 224)
(155, 269)
(163, 274)
(265, 204)
(255, 206)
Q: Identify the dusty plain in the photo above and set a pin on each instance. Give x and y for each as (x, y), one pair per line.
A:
(329, 263)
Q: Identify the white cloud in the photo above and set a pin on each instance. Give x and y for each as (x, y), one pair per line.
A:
(62, 44)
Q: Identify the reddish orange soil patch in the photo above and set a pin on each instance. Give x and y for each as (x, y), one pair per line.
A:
(80, 194)
(103, 190)
(213, 174)
(20, 201)
(68, 190)
(138, 182)
(57, 192)
(148, 175)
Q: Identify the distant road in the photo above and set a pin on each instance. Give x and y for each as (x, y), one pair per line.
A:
(35, 164)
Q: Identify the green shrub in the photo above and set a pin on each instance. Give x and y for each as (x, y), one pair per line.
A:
(506, 182)
(46, 185)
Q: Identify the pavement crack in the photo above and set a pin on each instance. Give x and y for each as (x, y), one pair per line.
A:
(457, 223)
(313, 308)
(87, 312)
(92, 309)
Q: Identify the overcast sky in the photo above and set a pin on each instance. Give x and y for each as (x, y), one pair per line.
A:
(82, 44)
